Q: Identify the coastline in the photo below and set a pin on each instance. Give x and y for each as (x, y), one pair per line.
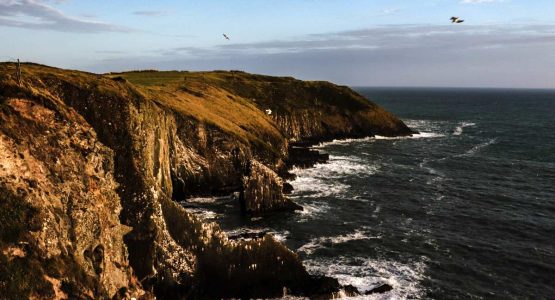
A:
(205, 135)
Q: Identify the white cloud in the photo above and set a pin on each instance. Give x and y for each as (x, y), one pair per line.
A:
(390, 11)
(36, 14)
(399, 55)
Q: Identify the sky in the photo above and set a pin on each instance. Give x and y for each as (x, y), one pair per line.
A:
(502, 43)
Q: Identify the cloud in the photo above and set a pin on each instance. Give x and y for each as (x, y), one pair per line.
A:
(480, 1)
(35, 14)
(150, 13)
(390, 11)
(109, 52)
(396, 55)
(393, 37)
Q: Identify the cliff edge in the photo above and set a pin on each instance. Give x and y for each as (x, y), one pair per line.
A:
(90, 166)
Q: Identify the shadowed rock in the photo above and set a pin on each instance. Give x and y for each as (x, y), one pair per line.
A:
(384, 288)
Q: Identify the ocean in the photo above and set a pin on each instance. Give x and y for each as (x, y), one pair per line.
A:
(463, 210)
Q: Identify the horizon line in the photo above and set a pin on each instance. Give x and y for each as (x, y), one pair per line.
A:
(337, 83)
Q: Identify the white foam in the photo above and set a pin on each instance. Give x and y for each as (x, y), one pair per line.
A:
(418, 124)
(322, 242)
(421, 135)
(426, 125)
(344, 142)
(280, 235)
(312, 210)
(314, 182)
(366, 274)
(376, 211)
(311, 187)
(478, 147)
(460, 128)
(437, 175)
(203, 213)
(201, 200)
(246, 231)
(359, 198)
(349, 142)
(426, 129)
(339, 166)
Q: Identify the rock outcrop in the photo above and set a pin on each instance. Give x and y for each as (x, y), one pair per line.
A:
(90, 167)
(59, 210)
(263, 191)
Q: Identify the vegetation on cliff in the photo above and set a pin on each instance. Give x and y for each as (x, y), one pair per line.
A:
(91, 164)
(302, 110)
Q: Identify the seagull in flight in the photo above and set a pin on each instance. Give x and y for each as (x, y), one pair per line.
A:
(225, 36)
(456, 20)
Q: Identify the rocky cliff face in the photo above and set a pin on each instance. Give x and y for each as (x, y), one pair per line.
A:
(90, 166)
(313, 110)
(263, 191)
(59, 210)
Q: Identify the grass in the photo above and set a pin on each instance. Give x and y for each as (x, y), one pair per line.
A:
(193, 94)
(231, 101)
(200, 95)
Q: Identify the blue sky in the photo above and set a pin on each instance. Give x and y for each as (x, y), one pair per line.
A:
(503, 43)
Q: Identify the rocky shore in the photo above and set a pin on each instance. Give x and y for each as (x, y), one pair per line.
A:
(92, 167)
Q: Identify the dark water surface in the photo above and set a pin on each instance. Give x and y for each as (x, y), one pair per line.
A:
(466, 209)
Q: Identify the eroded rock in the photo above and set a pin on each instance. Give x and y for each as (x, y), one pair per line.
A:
(59, 210)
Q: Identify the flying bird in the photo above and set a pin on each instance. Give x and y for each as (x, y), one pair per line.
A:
(456, 20)
(225, 36)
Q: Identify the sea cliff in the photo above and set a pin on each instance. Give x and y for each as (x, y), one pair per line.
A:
(91, 167)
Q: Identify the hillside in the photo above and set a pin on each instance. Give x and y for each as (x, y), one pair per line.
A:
(91, 166)
(302, 110)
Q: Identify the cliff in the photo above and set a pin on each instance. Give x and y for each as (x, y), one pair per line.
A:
(90, 165)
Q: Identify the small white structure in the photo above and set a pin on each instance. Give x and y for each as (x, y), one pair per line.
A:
(268, 111)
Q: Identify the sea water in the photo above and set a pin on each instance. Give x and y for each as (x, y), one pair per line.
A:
(464, 209)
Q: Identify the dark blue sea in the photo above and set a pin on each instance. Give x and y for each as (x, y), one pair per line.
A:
(463, 210)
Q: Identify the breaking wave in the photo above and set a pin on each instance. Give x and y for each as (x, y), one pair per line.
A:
(314, 182)
(323, 242)
(344, 142)
(280, 235)
(312, 187)
(347, 142)
(366, 274)
(478, 147)
(421, 135)
(312, 210)
(460, 128)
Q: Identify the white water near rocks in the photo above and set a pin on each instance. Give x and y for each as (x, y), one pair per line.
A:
(365, 274)
(462, 210)
(324, 181)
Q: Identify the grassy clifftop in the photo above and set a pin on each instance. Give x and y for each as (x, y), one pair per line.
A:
(200, 100)
(338, 110)
(235, 101)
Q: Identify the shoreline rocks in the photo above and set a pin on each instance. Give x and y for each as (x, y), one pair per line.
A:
(383, 288)
(305, 157)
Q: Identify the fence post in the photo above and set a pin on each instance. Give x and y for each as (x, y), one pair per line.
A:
(18, 73)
